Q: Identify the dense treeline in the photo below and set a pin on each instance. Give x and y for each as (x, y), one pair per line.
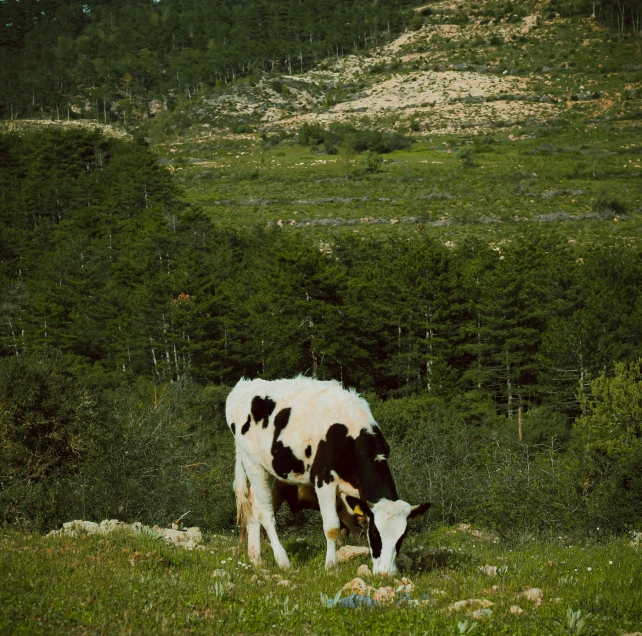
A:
(107, 60)
(623, 15)
(103, 262)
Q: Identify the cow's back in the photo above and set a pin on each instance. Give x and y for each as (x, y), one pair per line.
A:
(280, 423)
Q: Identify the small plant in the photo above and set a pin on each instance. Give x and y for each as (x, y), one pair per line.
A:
(373, 162)
(288, 609)
(575, 621)
(465, 627)
(467, 157)
(328, 602)
(219, 590)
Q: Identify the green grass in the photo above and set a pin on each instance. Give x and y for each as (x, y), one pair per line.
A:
(521, 175)
(126, 583)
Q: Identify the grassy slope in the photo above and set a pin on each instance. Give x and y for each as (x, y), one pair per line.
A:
(533, 158)
(123, 583)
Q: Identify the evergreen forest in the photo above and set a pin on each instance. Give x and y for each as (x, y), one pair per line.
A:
(135, 302)
(111, 59)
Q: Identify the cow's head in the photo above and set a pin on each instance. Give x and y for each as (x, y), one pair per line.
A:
(387, 522)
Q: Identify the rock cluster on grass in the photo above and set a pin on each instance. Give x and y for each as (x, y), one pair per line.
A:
(533, 594)
(478, 608)
(189, 539)
(360, 594)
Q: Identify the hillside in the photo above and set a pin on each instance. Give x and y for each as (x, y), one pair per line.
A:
(516, 114)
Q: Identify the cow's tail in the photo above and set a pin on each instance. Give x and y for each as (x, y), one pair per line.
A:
(242, 492)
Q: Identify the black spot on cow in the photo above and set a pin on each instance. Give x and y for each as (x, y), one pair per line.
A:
(262, 409)
(246, 426)
(400, 541)
(374, 539)
(354, 462)
(284, 461)
(233, 428)
(335, 452)
(375, 476)
(281, 421)
(308, 451)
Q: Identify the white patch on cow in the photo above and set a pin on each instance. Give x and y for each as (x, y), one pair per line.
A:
(380, 458)
(390, 519)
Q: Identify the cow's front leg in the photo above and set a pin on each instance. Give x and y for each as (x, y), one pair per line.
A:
(327, 496)
(263, 509)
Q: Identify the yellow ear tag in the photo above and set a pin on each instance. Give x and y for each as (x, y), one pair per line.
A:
(358, 511)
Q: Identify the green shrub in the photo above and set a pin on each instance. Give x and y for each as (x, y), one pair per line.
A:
(373, 162)
(416, 22)
(277, 86)
(311, 134)
(144, 452)
(51, 425)
(610, 433)
(606, 203)
(238, 129)
(353, 139)
(467, 157)
(470, 473)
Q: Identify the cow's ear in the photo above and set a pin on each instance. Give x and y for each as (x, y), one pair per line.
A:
(417, 511)
(359, 506)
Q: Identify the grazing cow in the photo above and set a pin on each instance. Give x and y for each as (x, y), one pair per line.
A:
(306, 432)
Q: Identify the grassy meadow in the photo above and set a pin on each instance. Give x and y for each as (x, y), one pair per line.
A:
(126, 583)
(573, 178)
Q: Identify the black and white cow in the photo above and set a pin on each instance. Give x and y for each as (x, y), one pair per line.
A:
(308, 432)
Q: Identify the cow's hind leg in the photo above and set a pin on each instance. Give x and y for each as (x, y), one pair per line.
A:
(263, 514)
(327, 495)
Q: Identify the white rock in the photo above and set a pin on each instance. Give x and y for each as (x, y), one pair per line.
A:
(356, 586)
(491, 570)
(481, 613)
(364, 572)
(516, 609)
(533, 594)
(90, 526)
(471, 603)
(384, 595)
(220, 574)
(72, 525)
(348, 552)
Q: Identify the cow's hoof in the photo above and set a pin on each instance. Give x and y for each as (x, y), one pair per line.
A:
(331, 566)
(284, 564)
(282, 560)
